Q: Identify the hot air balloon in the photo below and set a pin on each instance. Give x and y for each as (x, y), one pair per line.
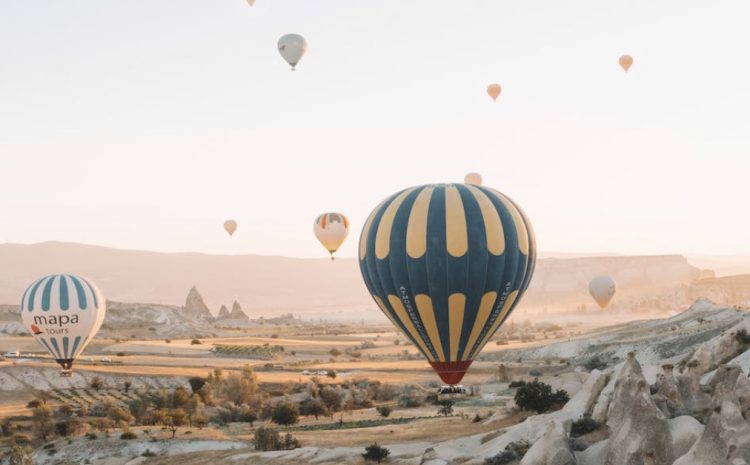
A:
(63, 312)
(331, 230)
(447, 264)
(494, 91)
(292, 47)
(473, 178)
(626, 61)
(230, 226)
(251, 2)
(602, 289)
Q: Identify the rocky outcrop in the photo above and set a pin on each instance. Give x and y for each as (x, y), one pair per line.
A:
(667, 396)
(237, 313)
(195, 307)
(726, 439)
(223, 313)
(694, 399)
(640, 430)
(552, 448)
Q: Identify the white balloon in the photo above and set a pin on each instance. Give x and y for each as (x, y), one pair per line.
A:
(473, 178)
(292, 47)
(63, 313)
(602, 289)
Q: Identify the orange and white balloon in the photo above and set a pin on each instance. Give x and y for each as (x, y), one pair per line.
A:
(331, 229)
(626, 61)
(230, 226)
(493, 90)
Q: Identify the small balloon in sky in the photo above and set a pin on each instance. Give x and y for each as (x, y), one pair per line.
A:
(473, 178)
(331, 229)
(292, 47)
(602, 289)
(230, 226)
(626, 61)
(493, 90)
(251, 2)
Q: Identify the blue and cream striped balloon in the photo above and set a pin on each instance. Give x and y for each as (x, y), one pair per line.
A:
(447, 264)
(63, 312)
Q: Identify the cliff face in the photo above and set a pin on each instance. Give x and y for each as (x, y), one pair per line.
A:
(729, 290)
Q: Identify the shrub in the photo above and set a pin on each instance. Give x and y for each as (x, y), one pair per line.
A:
(476, 419)
(446, 407)
(92, 436)
(196, 342)
(538, 397)
(367, 345)
(595, 363)
(513, 451)
(384, 410)
(335, 352)
(375, 453)
(267, 438)
(120, 354)
(315, 408)
(516, 384)
(148, 453)
(128, 435)
(96, 383)
(742, 336)
(196, 383)
(168, 341)
(285, 414)
(583, 425)
(331, 374)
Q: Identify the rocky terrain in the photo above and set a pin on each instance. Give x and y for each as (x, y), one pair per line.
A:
(660, 392)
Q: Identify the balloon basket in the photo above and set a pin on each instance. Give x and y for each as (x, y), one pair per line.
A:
(66, 373)
(451, 392)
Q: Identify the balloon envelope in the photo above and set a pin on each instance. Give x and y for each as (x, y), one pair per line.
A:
(447, 264)
(251, 2)
(331, 229)
(473, 178)
(63, 313)
(602, 289)
(292, 47)
(626, 61)
(494, 91)
(230, 226)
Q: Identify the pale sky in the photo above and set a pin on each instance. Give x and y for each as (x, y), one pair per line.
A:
(146, 123)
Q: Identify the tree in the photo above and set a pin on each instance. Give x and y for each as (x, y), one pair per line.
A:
(375, 453)
(538, 397)
(315, 408)
(41, 420)
(335, 352)
(446, 407)
(267, 438)
(96, 383)
(173, 419)
(331, 374)
(384, 410)
(332, 399)
(68, 423)
(127, 385)
(20, 456)
(196, 383)
(285, 414)
(119, 416)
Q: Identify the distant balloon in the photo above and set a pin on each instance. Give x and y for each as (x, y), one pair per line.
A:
(292, 47)
(63, 313)
(447, 264)
(331, 229)
(230, 226)
(473, 178)
(251, 2)
(602, 289)
(626, 61)
(494, 91)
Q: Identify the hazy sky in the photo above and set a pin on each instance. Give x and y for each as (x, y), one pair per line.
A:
(146, 123)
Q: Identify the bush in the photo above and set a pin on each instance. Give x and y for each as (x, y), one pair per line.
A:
(148, 453)
(128, 435)
(513, 451)
(516, 384)
(196, 342)
(375, 453)
(335, 352)
(595, 363)
(267, 438)
(384, 411)
(92, 436)
(446, 407)
(196, 383)
(96, 383)
(120, 354)
(538, 397)
(742, 336)
(331, 374)
(476, 419)
(168, 341)
(285, 414)
(582, 426)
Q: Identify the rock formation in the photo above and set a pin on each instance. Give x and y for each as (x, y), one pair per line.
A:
(223, 313)
(237, 313)
(552, 448)
(195, 307)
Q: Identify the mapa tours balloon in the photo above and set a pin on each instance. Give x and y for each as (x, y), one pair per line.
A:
(447, 264)
(602, 289)
(494, 91)
(331, 229)
(473, 178)
(230, 226)
(626, 61)
(292, 47)
(63, 312)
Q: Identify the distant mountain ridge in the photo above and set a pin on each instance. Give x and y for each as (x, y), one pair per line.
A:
(268, 285)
